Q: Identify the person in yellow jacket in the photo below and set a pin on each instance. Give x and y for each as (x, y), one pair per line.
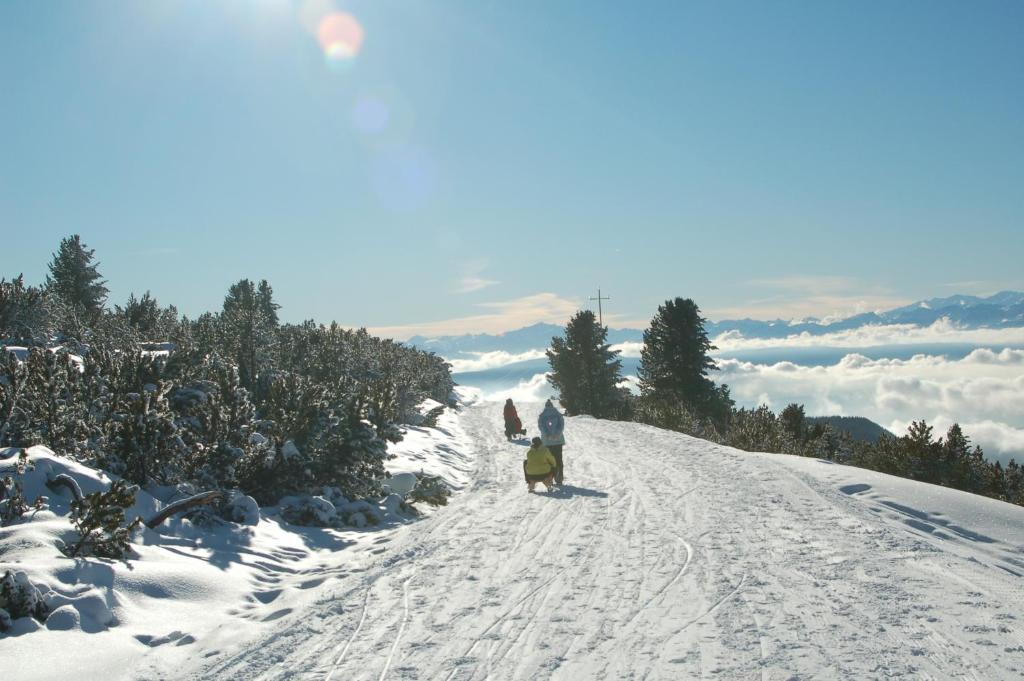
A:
(540, 465)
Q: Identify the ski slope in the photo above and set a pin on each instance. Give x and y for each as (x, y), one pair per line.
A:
(666, 557)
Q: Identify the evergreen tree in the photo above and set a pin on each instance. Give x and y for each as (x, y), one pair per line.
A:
(674, 362)
(585, 371)
(249, 321)
(147, 318)
(75, 280)
(26, 313)
(794, 421)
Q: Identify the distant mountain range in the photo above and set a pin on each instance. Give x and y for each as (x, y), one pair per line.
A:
(1002, 310)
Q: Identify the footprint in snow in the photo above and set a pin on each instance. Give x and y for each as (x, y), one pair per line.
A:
(277, 614)
(267, 596)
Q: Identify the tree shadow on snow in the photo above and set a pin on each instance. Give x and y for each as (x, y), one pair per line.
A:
(570, 491)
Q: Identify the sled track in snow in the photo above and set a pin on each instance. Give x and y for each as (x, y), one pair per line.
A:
(352, 637)
(401, 627)
(689, 560)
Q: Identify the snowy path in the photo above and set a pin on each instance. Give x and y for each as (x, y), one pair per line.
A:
(663, 557)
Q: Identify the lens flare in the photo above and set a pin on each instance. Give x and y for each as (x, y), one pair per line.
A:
(340, 37)
(404, 179)
(370, 115)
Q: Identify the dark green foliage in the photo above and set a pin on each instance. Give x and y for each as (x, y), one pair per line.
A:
(100, 520)
(950, 461)
(143, 438)
(230, 400)
(348, 455)
(74, 279)
(794, 421)
(585, 371)
(13, 413)
(430, 489)
(146, 318)
(674, 362)
(249, 321)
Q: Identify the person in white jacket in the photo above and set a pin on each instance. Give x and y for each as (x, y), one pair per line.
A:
(551, 424)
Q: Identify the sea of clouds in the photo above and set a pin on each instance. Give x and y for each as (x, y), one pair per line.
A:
(983, 391)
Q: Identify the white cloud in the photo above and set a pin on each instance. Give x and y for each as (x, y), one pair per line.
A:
(942, 331)
(629, 348)
(983, 392)
(482, 361)
(535, 389)
(472, 279)
(474, 282)
(501, 316)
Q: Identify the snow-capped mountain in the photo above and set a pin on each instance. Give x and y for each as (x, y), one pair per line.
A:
(1001, 310)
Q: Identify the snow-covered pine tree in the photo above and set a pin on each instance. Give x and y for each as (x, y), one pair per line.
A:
(143, 443)
(145, 316)
(585, 370)
(26, 313)
(215, 416)
(249, 320)
(75, 279)
(103, 529)
(347, 453)
(292, 413)
(14, 416)
(13, 503)
(52, 401)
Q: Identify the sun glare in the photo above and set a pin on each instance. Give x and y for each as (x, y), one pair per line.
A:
(340, 36)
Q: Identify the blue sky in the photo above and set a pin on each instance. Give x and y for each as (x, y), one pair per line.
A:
(480, 165)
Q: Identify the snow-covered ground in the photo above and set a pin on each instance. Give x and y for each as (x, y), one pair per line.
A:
(192, 594)
(668, 557)
(663, 556)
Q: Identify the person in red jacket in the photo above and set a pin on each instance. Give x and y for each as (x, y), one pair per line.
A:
(513, 425)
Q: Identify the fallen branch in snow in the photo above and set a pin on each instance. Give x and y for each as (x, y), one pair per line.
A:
(64, 480)
(200, 499)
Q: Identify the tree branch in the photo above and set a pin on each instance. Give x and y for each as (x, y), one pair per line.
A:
(166, 512)
(64, 480)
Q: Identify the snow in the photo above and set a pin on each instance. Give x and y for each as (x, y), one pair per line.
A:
(662, 557)
(192, 594)
(668, 557)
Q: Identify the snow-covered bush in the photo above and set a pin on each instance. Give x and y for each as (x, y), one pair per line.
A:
(13, 503)
(241, 508)
(309, 510)
(401, 484)
(100, 520)
(361, 512)
(432, 490)
(143, 443)
(430, 418)
(231, 400)
(19, 598)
